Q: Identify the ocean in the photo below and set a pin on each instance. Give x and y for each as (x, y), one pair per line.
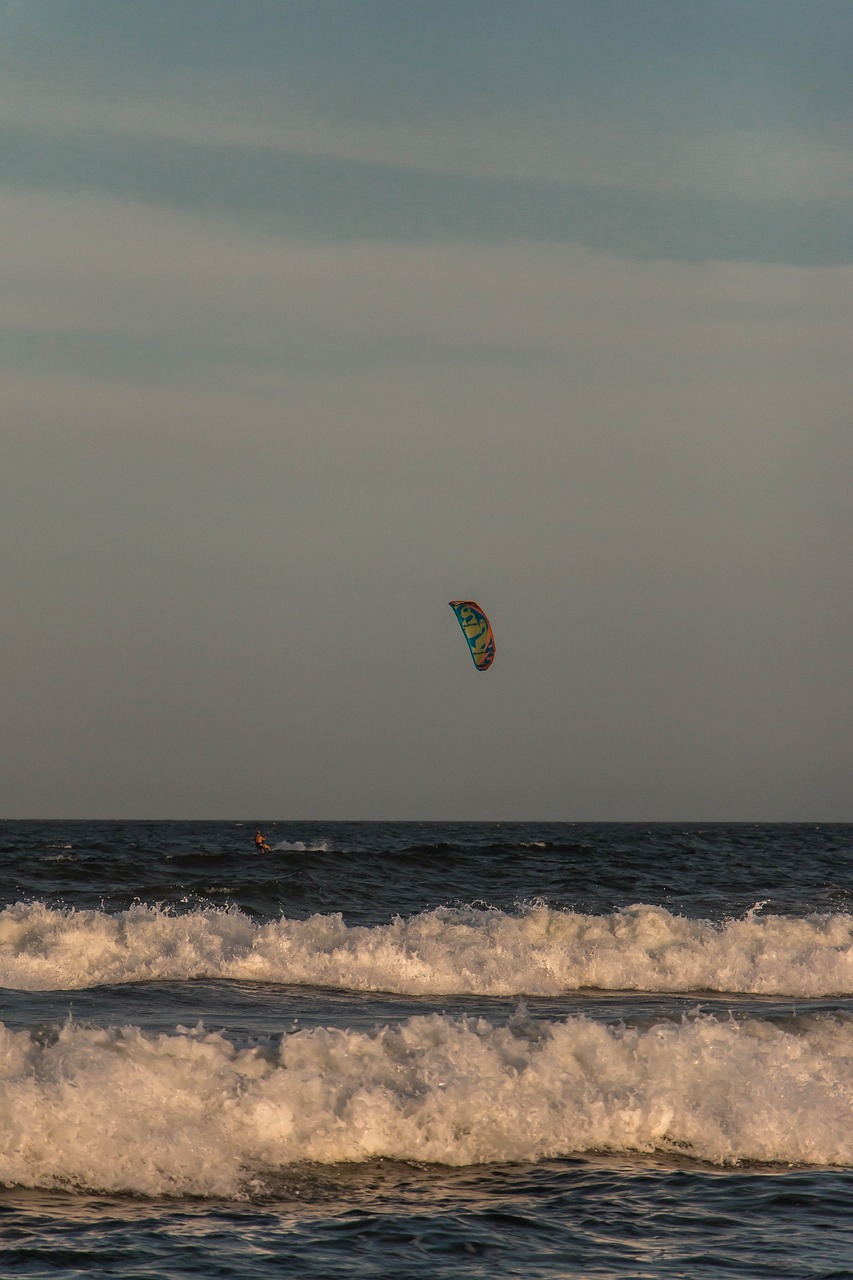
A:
(426, 1049)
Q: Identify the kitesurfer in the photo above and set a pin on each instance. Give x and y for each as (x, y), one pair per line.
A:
(260, 843)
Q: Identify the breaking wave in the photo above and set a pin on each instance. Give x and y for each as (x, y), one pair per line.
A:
(192, 1113)
(536, 950)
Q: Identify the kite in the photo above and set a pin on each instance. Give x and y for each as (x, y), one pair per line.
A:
(478, 632)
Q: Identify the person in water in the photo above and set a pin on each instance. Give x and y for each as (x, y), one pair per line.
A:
(260, 843)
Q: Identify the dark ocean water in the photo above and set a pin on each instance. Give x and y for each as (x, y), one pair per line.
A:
(426, 1049)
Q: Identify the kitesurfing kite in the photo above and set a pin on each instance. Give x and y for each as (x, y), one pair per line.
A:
(478, 632)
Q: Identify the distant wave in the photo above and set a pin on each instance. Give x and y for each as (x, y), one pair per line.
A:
(535, 951)
(191, 1113)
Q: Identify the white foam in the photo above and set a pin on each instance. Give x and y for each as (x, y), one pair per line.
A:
(535, 951)
(298, 846)
(190, 1113)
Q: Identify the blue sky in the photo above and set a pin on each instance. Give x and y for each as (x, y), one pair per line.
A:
(315, 316)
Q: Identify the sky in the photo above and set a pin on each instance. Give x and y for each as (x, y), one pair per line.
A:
(318, 314)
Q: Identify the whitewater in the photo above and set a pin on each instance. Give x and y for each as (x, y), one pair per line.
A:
(447, 951)
(191, 1113)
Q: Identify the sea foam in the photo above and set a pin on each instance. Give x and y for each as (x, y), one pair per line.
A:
(192, 1113)
(536, 950)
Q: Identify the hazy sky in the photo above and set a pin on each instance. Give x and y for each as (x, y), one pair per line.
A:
(318, 314)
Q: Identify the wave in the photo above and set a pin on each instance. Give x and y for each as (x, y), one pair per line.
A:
(448, 951)
(190, 1113)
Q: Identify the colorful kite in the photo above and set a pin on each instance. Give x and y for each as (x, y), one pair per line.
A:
(478, 632)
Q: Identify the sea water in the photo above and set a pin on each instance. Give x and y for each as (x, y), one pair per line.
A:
(411, 1049)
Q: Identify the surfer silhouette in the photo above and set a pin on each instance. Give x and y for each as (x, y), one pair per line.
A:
(260, 843)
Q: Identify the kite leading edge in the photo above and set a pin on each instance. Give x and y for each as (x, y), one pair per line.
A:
(478, 632)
